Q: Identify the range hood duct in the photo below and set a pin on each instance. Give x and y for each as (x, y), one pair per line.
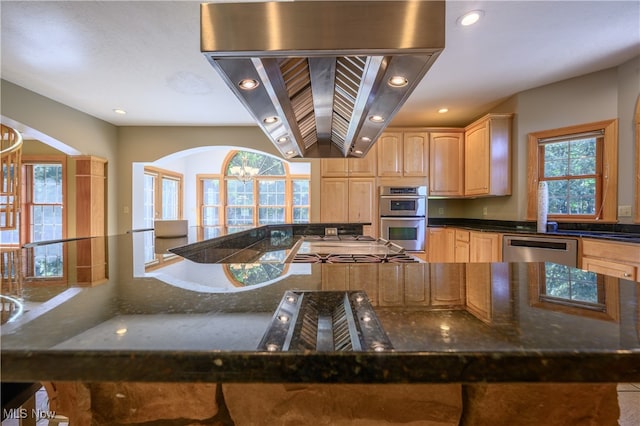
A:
(323, 68)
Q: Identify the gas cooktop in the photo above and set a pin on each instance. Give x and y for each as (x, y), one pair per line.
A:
(338, 238)
(353, 258)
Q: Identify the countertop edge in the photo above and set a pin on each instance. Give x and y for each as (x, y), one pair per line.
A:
(354, 367)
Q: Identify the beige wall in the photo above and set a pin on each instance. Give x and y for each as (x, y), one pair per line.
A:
(145, 144)
(70, 130)
(603, 95)
(611, 93)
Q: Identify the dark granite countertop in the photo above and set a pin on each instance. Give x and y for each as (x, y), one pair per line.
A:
(629, 233)
(176, 320)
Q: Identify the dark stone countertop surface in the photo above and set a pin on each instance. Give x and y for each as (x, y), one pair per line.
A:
(627, 233)
(161, 317)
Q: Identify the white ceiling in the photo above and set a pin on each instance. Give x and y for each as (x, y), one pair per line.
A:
(144, 57)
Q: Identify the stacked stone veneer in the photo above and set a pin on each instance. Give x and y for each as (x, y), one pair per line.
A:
(336, 404)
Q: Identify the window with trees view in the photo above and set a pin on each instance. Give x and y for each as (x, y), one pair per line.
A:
(573, 175)
(272, 196)
(579, 164)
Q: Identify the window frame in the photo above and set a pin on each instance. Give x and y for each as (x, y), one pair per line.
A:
(161, 174)
(223, 178)
(200, 178)
(28, 161)
(606, 192)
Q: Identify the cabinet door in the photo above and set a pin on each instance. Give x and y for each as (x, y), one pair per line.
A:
(447, 284)
(415, 154)
(462, 246)
(364, 167)
(607, 267)
(446, 159)
(363, 204)
(476, 164)
(478, 290)
(333, 167)
(416, 284)
(334, 277)
(364, 277)
(390, 154)
(485, 247)
(441, 244)
(334, 200)
(391, 284)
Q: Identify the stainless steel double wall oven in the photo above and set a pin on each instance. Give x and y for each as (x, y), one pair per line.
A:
(403, 215)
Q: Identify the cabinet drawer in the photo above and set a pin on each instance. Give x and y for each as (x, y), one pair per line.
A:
(462, 235)
(611, 250)
(606, 267)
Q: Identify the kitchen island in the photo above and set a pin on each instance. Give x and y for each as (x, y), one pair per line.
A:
(498, 331)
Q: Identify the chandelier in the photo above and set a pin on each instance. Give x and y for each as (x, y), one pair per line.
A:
(243, 173)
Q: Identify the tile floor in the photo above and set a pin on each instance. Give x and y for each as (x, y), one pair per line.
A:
(628, 398)
(629, 401)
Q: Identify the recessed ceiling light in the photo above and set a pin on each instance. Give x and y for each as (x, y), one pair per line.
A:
(282, 139)
(119, 111)
(470, 18)
(358, 152)
(290, 152)
(270, 120)
(376, 118)
(398, 81)
(365, 139)
(248, 84)
(443, 110)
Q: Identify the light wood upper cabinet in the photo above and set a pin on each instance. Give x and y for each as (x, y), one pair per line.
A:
(334, 167)
(487, 153)
(363, 167)
(446, 161)
(354, 167)
(403, 153)
(415, 153)
(390, 154)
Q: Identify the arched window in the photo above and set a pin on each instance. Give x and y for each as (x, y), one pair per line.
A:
(252, 189)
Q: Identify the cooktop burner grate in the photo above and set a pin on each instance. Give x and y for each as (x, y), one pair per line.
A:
(353, 258)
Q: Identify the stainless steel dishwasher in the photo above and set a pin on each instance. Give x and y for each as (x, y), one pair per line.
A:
(517, 248)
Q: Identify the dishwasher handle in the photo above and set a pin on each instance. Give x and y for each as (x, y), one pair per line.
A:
(547, 245)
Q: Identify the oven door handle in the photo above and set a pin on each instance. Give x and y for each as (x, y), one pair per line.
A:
(402, 197)
(414, 218)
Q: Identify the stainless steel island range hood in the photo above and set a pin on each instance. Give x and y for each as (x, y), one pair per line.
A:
(323, 78)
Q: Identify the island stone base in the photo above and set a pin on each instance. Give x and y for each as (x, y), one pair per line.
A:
(549, 404)
(343, 405)
(335, 404)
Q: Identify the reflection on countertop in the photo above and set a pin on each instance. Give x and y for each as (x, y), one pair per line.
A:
(446, 322)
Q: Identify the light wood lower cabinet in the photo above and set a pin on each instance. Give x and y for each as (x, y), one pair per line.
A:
(485, 247)
(461, 245)
(488, 292)
(611, 258)
(351, 200)
(399, 285)
(461, 252)
(441, 244)
(447, 284)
